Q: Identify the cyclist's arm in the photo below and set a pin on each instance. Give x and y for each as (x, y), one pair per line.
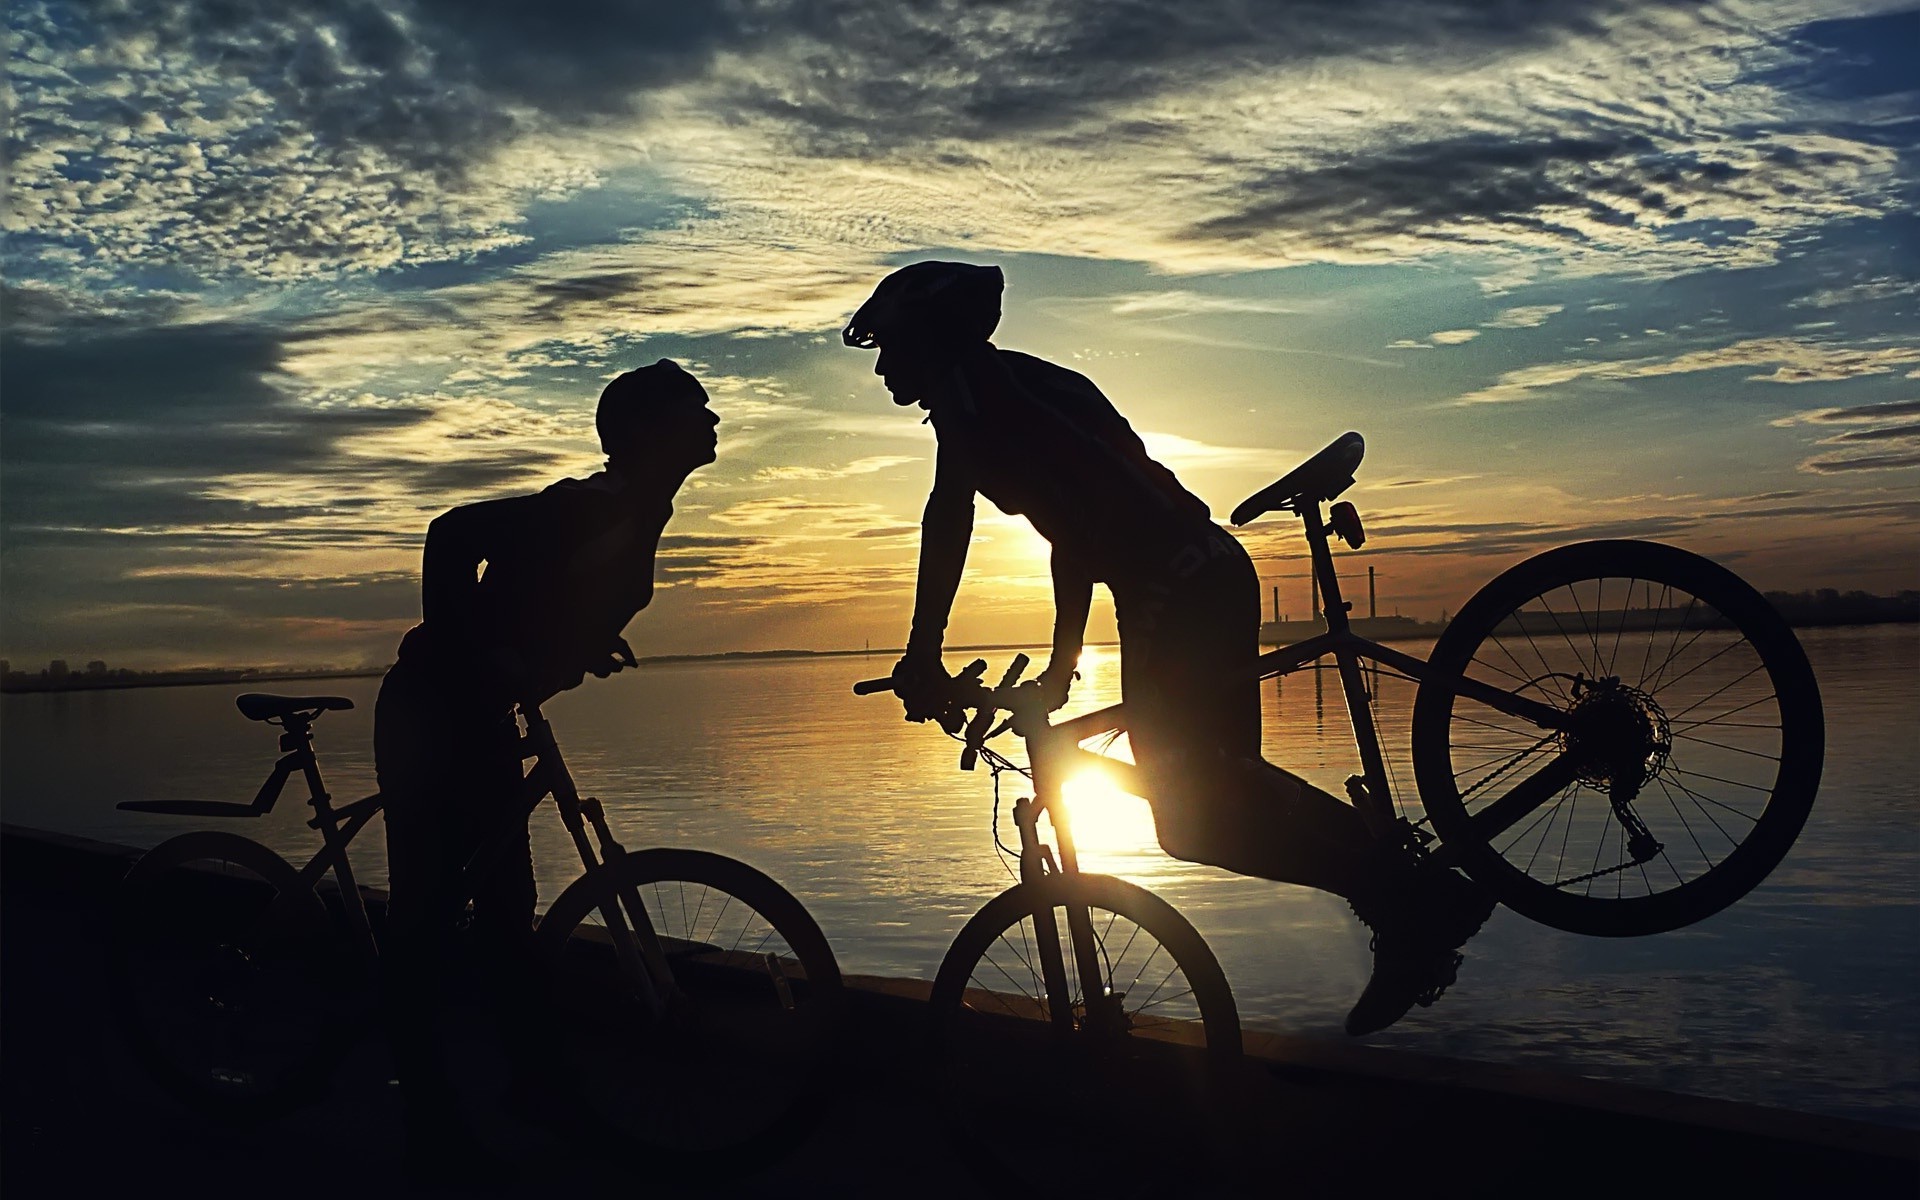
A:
(1072, 597)
(459, 541)
(946, 529)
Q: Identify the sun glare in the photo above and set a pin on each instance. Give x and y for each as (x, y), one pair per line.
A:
(1105, 819)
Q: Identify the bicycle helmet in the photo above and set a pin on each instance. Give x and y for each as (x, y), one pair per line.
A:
(929, 303)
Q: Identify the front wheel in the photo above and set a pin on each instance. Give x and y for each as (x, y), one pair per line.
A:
(736, 1066)
(230, 981)
(1106, 1088)
(1671, 754)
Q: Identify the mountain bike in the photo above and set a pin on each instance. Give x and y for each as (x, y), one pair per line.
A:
(1615, 738)
(1070, 989)
(693, 1000)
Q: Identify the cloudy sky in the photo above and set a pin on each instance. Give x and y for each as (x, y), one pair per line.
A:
(283, 280)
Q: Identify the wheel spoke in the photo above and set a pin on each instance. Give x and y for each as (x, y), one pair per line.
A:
(1692, 693)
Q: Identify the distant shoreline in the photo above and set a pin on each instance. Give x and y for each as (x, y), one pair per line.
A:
(19, 682)
(1902, 612)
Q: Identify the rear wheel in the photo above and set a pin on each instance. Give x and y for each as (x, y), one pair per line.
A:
(231, 982)
(1683, 759)
(739, 1070)
(1107, 1090)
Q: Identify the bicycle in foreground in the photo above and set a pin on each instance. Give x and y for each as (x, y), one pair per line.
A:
(692, 1002)
(1615, 738)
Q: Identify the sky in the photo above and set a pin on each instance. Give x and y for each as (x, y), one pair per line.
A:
(282, 281)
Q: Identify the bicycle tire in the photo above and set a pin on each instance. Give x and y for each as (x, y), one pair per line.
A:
(230, 978)
(1682, 686)
(996, 1049)
(739, 1074)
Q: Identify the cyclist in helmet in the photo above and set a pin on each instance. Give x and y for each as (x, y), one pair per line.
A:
(1041, 441)
(522, 598)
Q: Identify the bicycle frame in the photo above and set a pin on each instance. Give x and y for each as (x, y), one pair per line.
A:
(636, 945)
(1054, 750)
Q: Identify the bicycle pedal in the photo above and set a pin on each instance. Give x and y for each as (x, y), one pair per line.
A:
(781, 989)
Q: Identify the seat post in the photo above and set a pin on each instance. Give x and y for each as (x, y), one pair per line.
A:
(1332, 608)
(297, 741)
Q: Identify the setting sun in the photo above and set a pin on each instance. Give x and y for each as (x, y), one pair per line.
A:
(1105, 819)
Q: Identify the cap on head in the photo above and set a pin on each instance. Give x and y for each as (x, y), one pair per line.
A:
(930, 303)
(632, 399)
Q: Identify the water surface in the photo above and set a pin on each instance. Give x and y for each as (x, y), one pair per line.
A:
(1801, 996)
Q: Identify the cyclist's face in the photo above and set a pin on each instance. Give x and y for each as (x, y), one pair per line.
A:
(905, 371)
(697, 427)
(684, 431)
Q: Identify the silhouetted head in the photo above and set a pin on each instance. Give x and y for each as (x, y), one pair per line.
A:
(657, 416)
(923, 317)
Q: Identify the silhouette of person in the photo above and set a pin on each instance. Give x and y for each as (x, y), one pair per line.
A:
(522, 598)
(1040, 440)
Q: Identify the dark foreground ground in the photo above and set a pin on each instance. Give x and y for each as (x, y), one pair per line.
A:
(1309, 1118)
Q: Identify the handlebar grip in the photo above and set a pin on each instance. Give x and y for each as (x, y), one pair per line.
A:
(1015, 669)
(867, 687)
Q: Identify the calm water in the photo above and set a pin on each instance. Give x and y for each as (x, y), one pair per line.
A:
(1801, 996)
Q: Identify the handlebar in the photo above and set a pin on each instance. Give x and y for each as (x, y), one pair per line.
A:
(968, 692)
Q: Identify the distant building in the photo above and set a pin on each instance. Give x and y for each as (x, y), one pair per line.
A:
(96, 668)
(57, 670)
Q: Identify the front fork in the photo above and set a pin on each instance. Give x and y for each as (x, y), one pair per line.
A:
(636, 945)
(1101, 1010)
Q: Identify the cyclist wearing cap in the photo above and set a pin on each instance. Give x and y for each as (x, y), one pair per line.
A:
(1042, 441)
(522, 598)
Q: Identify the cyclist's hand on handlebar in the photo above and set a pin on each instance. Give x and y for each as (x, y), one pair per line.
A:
(614, 658)
(1054, 683)
(926, 690)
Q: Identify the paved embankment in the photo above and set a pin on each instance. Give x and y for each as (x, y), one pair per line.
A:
(1315, 1117)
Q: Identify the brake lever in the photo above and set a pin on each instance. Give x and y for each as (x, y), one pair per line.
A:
(977, 734)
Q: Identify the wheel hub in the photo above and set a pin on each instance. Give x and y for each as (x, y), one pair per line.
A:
(1616, 734)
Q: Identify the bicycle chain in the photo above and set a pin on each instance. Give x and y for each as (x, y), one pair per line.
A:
(1596, 874)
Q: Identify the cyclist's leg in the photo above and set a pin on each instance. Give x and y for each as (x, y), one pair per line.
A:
(1252, 818)
(424, 778)
(1198, 738)
(503, 899)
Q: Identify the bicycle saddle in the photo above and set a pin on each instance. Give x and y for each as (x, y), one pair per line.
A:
(259, 706)
(1322, 477)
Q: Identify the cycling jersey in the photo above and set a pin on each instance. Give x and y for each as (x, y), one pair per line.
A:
(522, 595)
(1041, 441)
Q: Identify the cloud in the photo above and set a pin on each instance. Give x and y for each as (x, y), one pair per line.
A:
(792, 511)
(1400, 483)
(1870, 291)
(284, 278)
(1525, 317)
(1888, 433)
(329, 136)
(1856, 414)
(1436, 534)
(1444, 337)
(1794, 360)
(1182, 303)
(198, 444)
(1833, 465)
(1884, 423)
(1183, 453)
(860, 466)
